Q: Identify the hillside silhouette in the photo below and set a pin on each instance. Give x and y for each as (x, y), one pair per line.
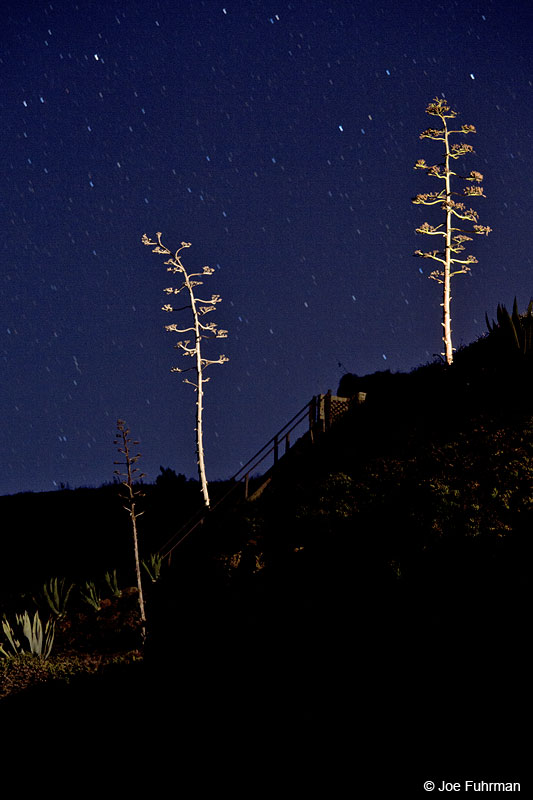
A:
(373, 597)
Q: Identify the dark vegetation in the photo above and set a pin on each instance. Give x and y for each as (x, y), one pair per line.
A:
(374, 597)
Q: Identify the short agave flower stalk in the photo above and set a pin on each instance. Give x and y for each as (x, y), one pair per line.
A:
(130, 495)
(456, 213)
(199, 330)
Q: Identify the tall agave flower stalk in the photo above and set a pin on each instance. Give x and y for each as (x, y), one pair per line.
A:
(455, 212)
(130, 494)
(199, 330)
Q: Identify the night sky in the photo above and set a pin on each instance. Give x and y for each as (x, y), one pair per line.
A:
(278, 138)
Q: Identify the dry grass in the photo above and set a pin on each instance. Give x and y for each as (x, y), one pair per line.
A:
(18, 673)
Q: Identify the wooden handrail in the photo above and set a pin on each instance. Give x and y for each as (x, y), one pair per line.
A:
(280, 434)
(242, 474)
(311, 411)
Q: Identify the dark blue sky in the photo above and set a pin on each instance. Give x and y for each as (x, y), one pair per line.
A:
(279, 138)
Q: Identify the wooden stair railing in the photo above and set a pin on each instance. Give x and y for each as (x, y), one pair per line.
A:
(320, 412)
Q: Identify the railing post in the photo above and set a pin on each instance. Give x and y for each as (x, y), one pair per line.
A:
(276, 449)
(246, 485)
(320, 421)
(327, 410)
(287, 443)
(312, 418)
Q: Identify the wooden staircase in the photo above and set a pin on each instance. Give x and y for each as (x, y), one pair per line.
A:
(314, 419)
